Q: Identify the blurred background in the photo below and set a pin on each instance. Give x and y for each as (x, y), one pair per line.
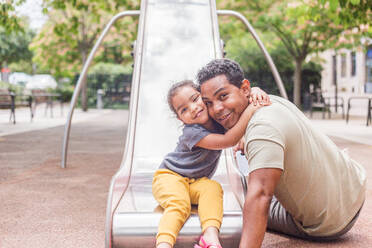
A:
(318, 46)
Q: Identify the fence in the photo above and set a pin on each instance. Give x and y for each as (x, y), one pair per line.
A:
(116, 88)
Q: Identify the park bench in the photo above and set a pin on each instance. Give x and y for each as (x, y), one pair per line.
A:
(122, 96)
(369, 107)
(41, 96)
(318, 100)
(10, 100)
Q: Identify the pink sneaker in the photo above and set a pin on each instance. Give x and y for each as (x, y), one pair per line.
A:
(204, 244)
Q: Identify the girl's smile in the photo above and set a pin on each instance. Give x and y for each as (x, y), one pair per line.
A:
(189, 106)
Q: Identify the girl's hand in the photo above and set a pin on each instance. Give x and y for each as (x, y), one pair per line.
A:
(239, 146)
(251, 109)
(259, 96)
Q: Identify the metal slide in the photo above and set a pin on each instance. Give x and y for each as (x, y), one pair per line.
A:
(175, 38)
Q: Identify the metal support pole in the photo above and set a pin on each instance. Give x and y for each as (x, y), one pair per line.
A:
(100, 93)
(336, 98)
(268, 58)
(369, 117)
(82, 77)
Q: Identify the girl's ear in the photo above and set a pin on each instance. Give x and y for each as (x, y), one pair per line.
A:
(246, 87)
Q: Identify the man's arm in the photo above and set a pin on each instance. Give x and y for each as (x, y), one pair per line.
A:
(261, 187)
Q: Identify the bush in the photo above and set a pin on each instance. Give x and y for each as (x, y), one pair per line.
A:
(112, 69)
(4, 85)
(113, 79)
(66, 91)
(17, 89)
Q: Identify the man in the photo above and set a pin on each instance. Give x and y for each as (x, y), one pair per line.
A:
(300, 183)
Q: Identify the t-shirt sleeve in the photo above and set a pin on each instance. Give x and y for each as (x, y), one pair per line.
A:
(264, 147)
(193, 134)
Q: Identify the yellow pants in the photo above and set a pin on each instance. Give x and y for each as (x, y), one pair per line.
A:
(176, 193)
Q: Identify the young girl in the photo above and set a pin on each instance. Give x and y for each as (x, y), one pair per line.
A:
(183, 176)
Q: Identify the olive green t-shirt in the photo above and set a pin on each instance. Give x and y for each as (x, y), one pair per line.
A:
(320, 186)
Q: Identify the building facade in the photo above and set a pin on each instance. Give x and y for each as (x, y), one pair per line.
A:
(347, 71)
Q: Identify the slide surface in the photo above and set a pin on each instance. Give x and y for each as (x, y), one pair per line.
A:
(175, 39)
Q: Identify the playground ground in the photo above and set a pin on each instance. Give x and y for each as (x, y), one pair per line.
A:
(43, 205)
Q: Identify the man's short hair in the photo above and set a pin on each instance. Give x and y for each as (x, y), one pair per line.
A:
(216, 67)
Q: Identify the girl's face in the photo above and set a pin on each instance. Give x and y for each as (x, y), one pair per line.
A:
(189, 106)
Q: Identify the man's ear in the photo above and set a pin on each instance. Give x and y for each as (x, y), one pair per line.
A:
(246, 87)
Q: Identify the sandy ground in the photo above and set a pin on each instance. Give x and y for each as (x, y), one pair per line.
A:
(43, 205)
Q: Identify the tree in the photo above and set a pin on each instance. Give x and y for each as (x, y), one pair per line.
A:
(14, 46)
(304, 27)
(9, 23)
(8, 19)
(351, 13)
(258, 71)
(64, 43)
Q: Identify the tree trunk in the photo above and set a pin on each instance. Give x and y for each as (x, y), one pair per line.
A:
(84, 95)
(297, 83)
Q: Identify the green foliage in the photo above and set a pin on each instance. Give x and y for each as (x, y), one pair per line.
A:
(304, 27)
(245, 51)
(113, 79)
(4, 85)
(83, 5)
(108, 68)
(351, 13)
(11, 87)
(8, 20)
(109, 77)
(22, 66)
(66, 40)
(66, 91)
(14, 46)
(116, 105)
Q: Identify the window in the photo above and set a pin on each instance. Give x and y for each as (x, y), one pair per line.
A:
(343, 65)
(353, 63)
(368, 85)
(334, 69)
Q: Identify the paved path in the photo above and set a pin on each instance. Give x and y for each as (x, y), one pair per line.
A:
(42, 119)
(355, 130)
(43, 205)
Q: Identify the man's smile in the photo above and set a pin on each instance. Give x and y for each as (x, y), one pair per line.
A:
(224, 117)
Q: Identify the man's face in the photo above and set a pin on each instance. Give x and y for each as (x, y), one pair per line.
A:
(225, 101)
